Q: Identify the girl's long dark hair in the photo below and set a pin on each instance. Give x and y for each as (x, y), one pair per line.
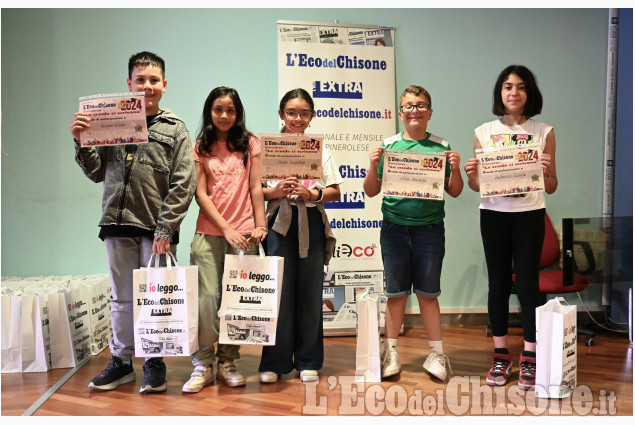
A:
(238, 138)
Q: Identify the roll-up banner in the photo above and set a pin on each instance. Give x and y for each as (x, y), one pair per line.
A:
(349, 70)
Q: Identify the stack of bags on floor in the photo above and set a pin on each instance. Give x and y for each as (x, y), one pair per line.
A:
(53, 322)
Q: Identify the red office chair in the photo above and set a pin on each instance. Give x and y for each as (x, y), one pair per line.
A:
(553, 281)
(570, 278)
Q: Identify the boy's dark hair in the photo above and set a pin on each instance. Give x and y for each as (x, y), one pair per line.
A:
(534, 97)
(417, 91)
(238, 138)
(145, 59)
(295, 94)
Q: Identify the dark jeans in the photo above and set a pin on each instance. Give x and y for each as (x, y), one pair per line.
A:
(412, 257)
(513, 245)
(299, 332)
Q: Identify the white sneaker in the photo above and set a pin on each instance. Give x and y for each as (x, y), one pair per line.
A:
(228, 373)
(309, 375)
(435, 364)
(269, 377)
(201, 377)
(390, 363)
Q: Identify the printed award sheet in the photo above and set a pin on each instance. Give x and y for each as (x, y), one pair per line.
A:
(291, 155)
(419, 175)
(512, 171)
(116, 119)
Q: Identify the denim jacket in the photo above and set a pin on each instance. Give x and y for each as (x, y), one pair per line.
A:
(162, 179)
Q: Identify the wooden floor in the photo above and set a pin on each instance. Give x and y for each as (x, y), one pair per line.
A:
(605, 385)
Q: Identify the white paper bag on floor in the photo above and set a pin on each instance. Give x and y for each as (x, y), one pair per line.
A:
(35, 323)
(77, 302)
(165, 309)
(46, 334)
(556, 349)
(62, 354)
(34, 356)
(367, 363)
(11, 352)
(100, 330)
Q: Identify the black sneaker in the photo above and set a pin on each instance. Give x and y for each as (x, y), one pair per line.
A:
(153, 376)
(116, 373)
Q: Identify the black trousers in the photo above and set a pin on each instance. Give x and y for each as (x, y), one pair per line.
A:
(513, 245)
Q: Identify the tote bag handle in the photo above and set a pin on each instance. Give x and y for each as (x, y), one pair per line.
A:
(156, 257)
(261, 252)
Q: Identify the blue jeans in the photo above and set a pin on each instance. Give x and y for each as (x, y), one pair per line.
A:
(412, 256)
(299, 332)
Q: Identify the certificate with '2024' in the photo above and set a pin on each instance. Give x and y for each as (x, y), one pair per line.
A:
(115, 119)
(286, 155)
(419, 175)
(510, 172)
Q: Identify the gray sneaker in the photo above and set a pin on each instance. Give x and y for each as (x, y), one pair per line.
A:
(228, 373)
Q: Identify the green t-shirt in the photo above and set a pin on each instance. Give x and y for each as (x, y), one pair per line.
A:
(408, 211)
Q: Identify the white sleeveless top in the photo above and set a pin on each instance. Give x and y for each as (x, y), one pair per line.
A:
(493, 134)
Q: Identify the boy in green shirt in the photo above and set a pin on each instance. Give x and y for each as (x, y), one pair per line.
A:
(412, 234)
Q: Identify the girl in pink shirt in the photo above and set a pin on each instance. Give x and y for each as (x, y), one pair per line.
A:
(231, 218)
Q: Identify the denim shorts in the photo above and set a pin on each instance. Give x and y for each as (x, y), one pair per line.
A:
(412, 256)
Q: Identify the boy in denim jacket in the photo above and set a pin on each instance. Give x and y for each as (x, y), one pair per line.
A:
(147, 191)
